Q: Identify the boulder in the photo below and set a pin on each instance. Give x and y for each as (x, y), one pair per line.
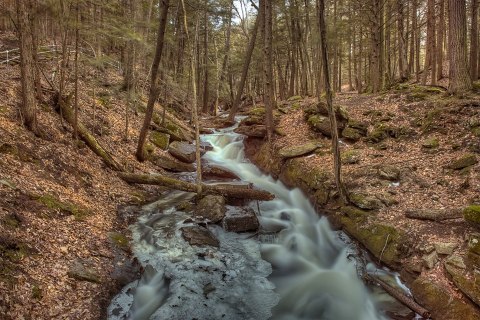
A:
(172, 164)
(463, 162)
(183, 151)
(469, 285)
(358, 125)
(388, 172)
(456, 261)
(320, 124)
(301, 150)
(472, 214)
(352, 134)
(160, 139)
(214, 172)
(350, 157)
(240, 219)
(199, 236)
(431, 143)
(211, 207)
(445, 248)
(430, 260)
(366, 202)
(387, 199)
(254, 131)
(80, 271)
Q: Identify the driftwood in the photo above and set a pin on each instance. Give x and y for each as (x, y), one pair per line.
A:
(68, 114)
(434, 215)
(400, 296)
(232, 191)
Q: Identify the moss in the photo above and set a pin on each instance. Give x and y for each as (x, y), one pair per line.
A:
(296, 106)
(12, 221)
(350, 157)
(429, 120)
(258, 111)
(159, 139)
(364, 201)
(354, 213)
(431, 143)
(52, 203)
(149, 148)
(378, 134)
(294, 98)
(351, 134)
(464, 161)
(472, 214)
(475, 131)
(37, 292)
(119, 240)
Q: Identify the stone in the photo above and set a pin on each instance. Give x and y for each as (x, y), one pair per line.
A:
(361, 127)
(160, 139)
(240, 219)
(350, 157)
(352, 134)
(469, 284)
(183, 151)
(254, 131)
(431, 143)
(388, 172)
(199, 236)
(321, 196)
(294, 98)
(472, 214)
(430, 260)
(456, 261)
(211, 207)
(445, 248)
(378, 134)
(387, 199)
(320, 124)
(300, 150)
(366, 202)
(81, 272)
(214, 172)
(463, 162)
(172, 164)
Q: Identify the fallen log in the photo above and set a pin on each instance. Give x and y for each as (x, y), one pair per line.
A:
(224, 190)
(63, 107)
(434, 215)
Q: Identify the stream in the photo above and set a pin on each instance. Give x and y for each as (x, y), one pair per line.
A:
(296, 268)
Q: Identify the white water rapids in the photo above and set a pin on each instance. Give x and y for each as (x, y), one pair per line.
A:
(314, 275)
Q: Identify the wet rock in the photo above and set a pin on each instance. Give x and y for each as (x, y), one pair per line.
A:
(160, 139)
(240, 219)
(430, 260)
(80, 271)
(199, 236)
(388, 172)
(172, 164)
(445, 248)
(301, 150)
(463, 162)
(442, 305)
(205, 146)
(469, 285)
(472, 214)
(183, 151)
(212, 172)
(364, 201)
(254, 131)
(206, 131)
(211, 207)
(350, 157)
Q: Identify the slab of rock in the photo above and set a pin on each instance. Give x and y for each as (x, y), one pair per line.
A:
(365, 201)
(456, 261)
(320, 124)
(160, 139)
(352, 134)
(470, 286)
(211, 207)
(463, 162)
(172, 164)
(301, 150)
(199, 236)
(445, 248)
(239, 219)
(82, 272)
(430, 260)
(472, 214)
(212, 172)
(183, 151)
(255, 131)
(390, 173)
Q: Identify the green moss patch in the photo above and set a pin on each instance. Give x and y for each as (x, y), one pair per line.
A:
(159, 139)
(472, 214)
(119, 240)
(54, 204)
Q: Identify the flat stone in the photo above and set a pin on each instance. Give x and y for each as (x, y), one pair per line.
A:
(212, 172)
(183, 151)
(430, 260)
(160, 139)
(172, 164)
(211, 207)
(320, 124)
(463, 162)
(389, 173)
(81, 272)
(297, 151)
(240, 219)
(456, 261)
(199, 236)
(365, 201)
(255, 131)
(445, 248)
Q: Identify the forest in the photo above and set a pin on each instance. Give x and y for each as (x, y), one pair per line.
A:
(239, 159)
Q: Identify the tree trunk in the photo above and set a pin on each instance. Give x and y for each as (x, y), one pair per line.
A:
(430, 47)
(460, 79)
(140, 154)
(331, 113)
(440, 38)
(402, 44)
(474, 41)
(268, 53)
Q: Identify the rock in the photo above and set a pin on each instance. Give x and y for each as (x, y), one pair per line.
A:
(211, 207)
(199, 236)
(255, 131)
(160, 139)
(83, 273)
(463, 162)
(252, 120)
(431, 143)
(456, 261)
(296, 151)
(321, 196)
(378, 134)
(214, 172)
(176, 132)
(472, 214)
(172, 164)
(294, 98)
(320, 124)
(388, 172)
(352, 134)
(445, 247)
(366, 202)
(469, 285)
(240, 219)
(387, 199)
(206, 130)
(430, 260)
(359, 126)
(205, 147)
(340, 111)
(183, 151)
(442, 305)
(350, 157)
(119, 240)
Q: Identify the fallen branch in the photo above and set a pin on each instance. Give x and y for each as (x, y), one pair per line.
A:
(225, 190)
(434, 215)
(400, 296)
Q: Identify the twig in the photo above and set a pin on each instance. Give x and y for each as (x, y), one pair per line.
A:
(383, 250)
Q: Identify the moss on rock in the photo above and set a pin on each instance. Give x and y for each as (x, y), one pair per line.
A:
(53, 203)
(472, 214)
(119, 240)
(350, 157)
(160, 139)
(431, 143)
(464, 161)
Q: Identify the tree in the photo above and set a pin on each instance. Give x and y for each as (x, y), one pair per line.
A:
(268, 53)
(474, 41)
(154, 87)
(460, 79)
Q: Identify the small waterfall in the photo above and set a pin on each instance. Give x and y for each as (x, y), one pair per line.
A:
(302, 269)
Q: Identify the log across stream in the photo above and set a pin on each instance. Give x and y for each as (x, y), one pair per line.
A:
(298, 269)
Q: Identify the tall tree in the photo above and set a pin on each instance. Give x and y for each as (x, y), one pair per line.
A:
(440, 38)
(460, 79)
(269, 82)
(430, 49)
(474, 40)
(154, 86)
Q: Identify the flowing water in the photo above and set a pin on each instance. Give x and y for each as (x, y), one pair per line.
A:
(299, 269)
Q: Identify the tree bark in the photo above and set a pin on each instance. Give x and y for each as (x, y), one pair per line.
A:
(140, 154)
(474, 41)
(460, 79)
(430, 47)
(224, 190)
(269, 82)
(440, 38)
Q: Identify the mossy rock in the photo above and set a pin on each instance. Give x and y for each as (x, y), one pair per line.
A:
(378, 134)
(472, 214)
(160, 139)
(320, 124)
(294, 98)
(295, 173)
(350, 157)
(53, 203)
(149, 148)
(470, 288)
(352, 134)
(389, 172)
(476, 131)
(258, 111)
(431, 143)
(355, 213)
(252, 120)
(464, 161)
(365, 201)
(119, 240)
(358, 125)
